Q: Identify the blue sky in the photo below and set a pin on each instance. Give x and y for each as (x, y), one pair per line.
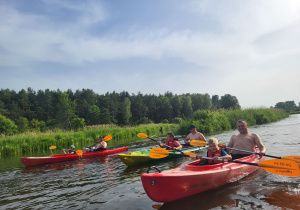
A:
(249, 49)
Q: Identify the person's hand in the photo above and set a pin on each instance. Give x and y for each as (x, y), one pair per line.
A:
(261, 154)
(215, 158)
(199, 156)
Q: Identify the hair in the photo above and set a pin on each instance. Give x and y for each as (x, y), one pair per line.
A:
(171, 134)
(242, 121)
(212, 140)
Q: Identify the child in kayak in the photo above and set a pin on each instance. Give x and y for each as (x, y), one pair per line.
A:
(215, 153)
(70, 150)
(100, 146)
(172, 144)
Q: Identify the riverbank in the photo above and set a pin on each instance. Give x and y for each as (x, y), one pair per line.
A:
(207, 122)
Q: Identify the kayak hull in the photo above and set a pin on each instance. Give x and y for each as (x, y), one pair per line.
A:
(31, 161)
(191, 179)
(142, 156)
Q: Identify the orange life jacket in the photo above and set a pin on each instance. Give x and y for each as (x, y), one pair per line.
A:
(212, 154)
(172, 144)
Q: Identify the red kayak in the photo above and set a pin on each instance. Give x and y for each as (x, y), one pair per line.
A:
(191, 179)
(30, 161)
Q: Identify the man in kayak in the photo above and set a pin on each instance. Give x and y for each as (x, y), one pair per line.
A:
(245, 141)
(172, 144)
(194, 135)
(215, 153)
(100, 146)
(70, 150)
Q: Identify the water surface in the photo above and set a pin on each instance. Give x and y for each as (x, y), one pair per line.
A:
(106, 183)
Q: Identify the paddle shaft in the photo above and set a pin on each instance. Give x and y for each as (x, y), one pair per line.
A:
(253, 152)
(158, 140)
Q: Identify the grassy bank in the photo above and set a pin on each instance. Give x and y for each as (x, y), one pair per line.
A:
(206, 121)
(30, 142)
(209, 123)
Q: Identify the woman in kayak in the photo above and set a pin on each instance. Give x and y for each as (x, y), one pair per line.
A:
(215, 152)
(100, 146)
(171, 144)
(70, 150)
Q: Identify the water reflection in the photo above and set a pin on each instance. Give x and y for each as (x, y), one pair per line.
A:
(107, 183)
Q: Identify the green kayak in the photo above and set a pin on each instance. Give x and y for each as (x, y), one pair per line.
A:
(142, 156)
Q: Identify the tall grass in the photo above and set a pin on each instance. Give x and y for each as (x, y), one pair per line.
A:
(208, 122)
(30, 142)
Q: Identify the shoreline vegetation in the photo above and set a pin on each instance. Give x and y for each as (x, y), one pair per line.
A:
(207, 122)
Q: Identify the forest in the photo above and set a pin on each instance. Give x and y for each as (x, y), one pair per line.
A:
(44, 110)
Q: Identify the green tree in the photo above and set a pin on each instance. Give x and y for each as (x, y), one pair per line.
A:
(7, 126)
(229, 102)
(93, 117)
(3, 110)
(65, 111)
(77, 123)
(125, 112)
(176, 106)
(187, 109)
(23, 124)
(166, 108)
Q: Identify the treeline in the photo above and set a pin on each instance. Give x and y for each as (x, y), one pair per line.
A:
(207, 122)
(49, 109)
(289, 106)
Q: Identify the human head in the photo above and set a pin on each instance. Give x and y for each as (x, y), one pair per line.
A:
(242, 126)
(100, 138)
(213, 144)
(72, 147)
(192, 128)
(170, 136)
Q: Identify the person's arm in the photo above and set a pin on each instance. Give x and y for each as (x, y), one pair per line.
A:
(258, 142)
(230, 144)
(178, 147)
(159, 144)
(201, 137)
(187, 138)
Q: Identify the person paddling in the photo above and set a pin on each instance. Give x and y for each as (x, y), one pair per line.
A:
(70, 150)
(171, 143)
(215, 153)
(245, 141)
(100, 146)
(194, 135)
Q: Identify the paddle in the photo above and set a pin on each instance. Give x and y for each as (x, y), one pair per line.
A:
(78, 152)
(294, 158)
(106, 138)
(145, 136)
(199, 143)
(276, 166)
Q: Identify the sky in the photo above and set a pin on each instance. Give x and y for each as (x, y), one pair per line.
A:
(248, 49)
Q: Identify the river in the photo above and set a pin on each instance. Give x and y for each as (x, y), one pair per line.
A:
(106, 183)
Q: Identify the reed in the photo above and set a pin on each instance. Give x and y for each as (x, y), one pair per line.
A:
(208, 122)
(30, 142)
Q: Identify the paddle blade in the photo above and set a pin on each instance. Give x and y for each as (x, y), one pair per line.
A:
(283, 172)
(142, 135)
(107, 138)
(198, 143)
(191, 154)
(279, 163)
(158, 153)
(294, 158)
(52, 147)
(79, 152)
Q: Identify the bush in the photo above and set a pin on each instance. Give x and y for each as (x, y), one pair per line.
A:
(7, 127)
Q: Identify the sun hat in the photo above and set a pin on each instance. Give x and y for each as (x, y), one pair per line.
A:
(72, 146)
